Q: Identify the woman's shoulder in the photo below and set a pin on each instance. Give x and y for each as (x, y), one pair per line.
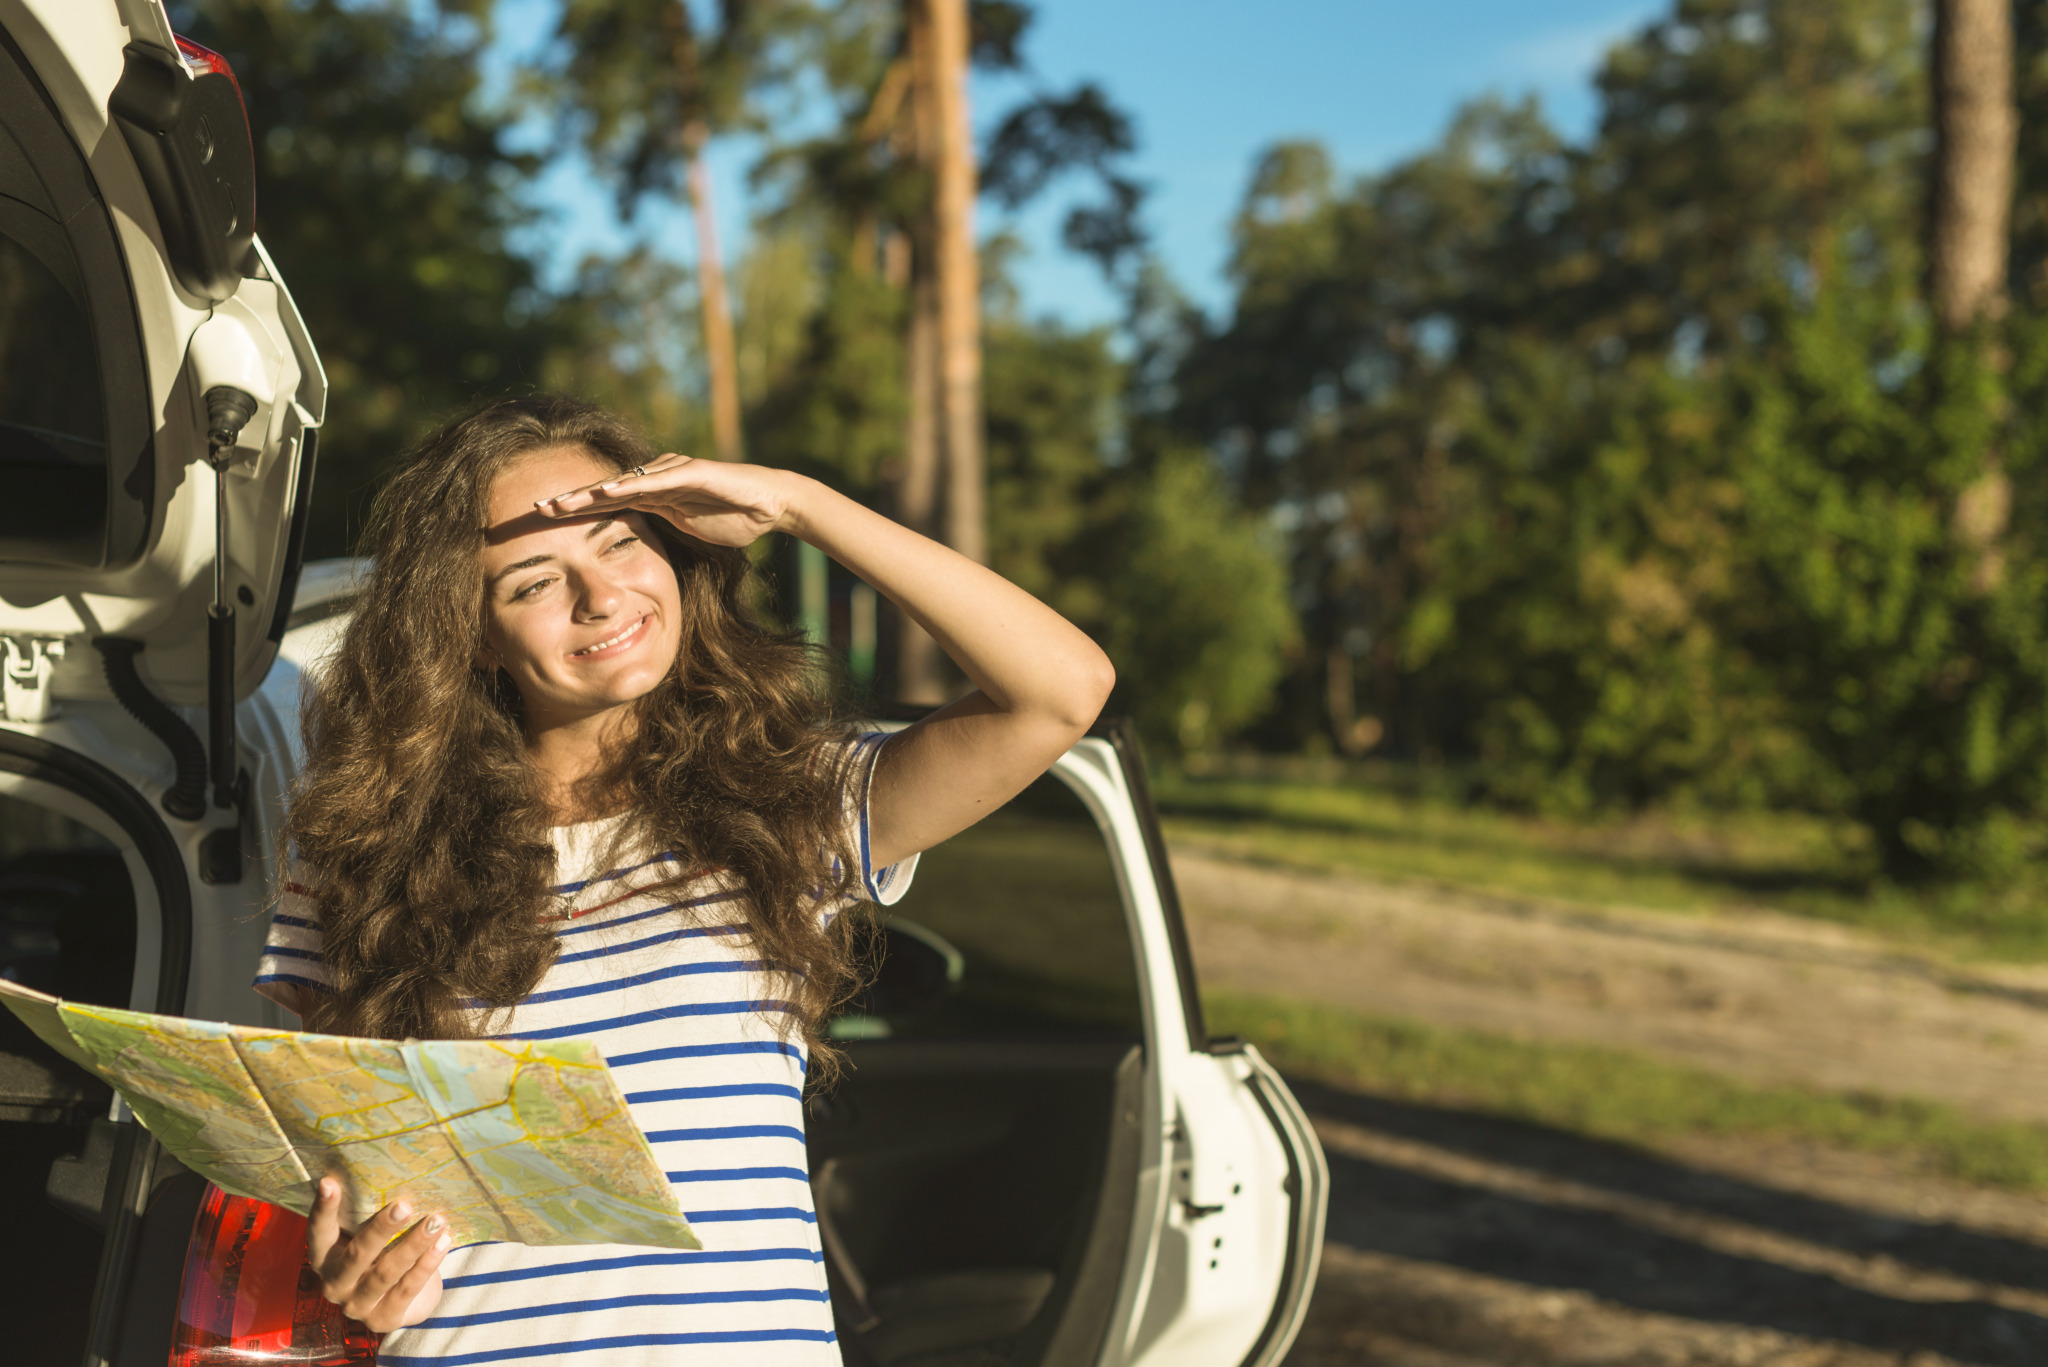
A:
(298, 897)
(294, 960)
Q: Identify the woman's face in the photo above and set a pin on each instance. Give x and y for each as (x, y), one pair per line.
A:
(582, 612)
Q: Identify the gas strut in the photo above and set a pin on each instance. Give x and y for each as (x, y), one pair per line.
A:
(228, 411)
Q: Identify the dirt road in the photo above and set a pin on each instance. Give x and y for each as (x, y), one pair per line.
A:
(1761, 996)
(1459, 1240)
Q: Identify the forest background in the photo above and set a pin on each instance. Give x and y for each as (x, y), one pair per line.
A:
(1676, 465)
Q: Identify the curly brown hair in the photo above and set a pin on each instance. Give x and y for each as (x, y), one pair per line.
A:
(421, 824)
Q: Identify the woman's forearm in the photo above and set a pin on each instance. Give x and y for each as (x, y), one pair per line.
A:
(1020, 653)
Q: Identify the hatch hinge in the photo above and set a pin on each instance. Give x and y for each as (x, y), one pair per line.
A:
(25, 675)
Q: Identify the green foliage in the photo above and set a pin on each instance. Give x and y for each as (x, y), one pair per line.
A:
(1147, 552)
(393, 203)
(1581, 592)
(1625, 473)
(1905, 623)
(1633, 472)
(1764, 587)
(641, 88)
(1615, 1094)
(1186, 591)
(833, 403)
(1050, 397)
(632, 344)
(1198, 617)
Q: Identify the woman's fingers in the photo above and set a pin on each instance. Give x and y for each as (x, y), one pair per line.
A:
(666, 465)
(390, 1310)
(323, 1225)
(373, 1274)
(345, 1266)
(381, 1296)
(727, 505)
(379, 1262)
(617, 488)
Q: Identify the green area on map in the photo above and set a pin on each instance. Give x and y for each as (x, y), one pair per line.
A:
(517, 1140)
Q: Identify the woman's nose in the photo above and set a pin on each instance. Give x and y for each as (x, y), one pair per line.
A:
(597, 597)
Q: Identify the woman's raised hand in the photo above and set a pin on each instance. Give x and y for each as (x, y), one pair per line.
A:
(386, 1285)
(1039, 680)
(727, 505)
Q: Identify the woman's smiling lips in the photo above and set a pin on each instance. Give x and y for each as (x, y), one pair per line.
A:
(625, 640)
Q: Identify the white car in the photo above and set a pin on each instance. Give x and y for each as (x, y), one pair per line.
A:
(1037, 1156)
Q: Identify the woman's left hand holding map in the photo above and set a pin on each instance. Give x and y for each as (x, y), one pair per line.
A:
(374, 1275)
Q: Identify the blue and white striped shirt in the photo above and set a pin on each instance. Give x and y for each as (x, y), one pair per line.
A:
(665, 983)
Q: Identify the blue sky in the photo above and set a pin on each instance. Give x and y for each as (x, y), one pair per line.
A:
(1209, 83)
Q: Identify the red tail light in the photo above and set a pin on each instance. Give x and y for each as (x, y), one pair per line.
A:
(249, 1297)
(205, 59)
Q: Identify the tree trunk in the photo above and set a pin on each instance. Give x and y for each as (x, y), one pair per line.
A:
(720, 355)
(878, 123)
(920, 674)
(1807, 74)
(1976, 131)
(959, 283)
(942, 490)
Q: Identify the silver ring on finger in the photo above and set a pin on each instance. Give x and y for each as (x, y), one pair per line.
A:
(639, 471)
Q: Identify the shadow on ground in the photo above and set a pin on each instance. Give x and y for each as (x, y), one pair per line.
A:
(1462, 1239)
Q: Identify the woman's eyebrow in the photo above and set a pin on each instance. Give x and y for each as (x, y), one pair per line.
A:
(525, 564)
(544, 557)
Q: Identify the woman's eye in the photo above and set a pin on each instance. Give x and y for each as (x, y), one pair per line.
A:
(624, 541)
(532, 589)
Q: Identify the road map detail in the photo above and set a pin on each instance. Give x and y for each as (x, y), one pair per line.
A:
(528, 1142)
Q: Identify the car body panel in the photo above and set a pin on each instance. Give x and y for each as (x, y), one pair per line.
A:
(76, 50)
(1230, 1193)
(1220, 1200)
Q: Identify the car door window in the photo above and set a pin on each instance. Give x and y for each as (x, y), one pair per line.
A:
(1013, 928)
(76, 423)
(53, 450)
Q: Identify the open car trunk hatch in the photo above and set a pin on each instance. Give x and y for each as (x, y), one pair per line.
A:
(109, 343)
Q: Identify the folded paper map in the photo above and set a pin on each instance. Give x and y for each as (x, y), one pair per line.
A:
(523, 1141)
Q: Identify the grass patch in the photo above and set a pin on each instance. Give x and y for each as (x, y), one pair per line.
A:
(1693, 862)
(1614, 1094)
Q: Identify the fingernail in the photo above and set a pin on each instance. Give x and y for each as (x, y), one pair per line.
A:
(433, 1223)
(401, 1211)
(441, 1244)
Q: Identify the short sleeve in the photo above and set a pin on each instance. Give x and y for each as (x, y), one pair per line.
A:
(292, 950)
(884, 886)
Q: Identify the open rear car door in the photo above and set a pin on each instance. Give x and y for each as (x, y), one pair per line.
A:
(1036, 1156)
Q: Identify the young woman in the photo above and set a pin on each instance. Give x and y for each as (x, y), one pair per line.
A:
(559, 784)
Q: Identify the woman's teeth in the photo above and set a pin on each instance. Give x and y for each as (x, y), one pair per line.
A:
(606, 645)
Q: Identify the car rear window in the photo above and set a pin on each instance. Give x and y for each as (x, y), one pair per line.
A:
(76, 430)
(1028, 900)
(53, 448)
